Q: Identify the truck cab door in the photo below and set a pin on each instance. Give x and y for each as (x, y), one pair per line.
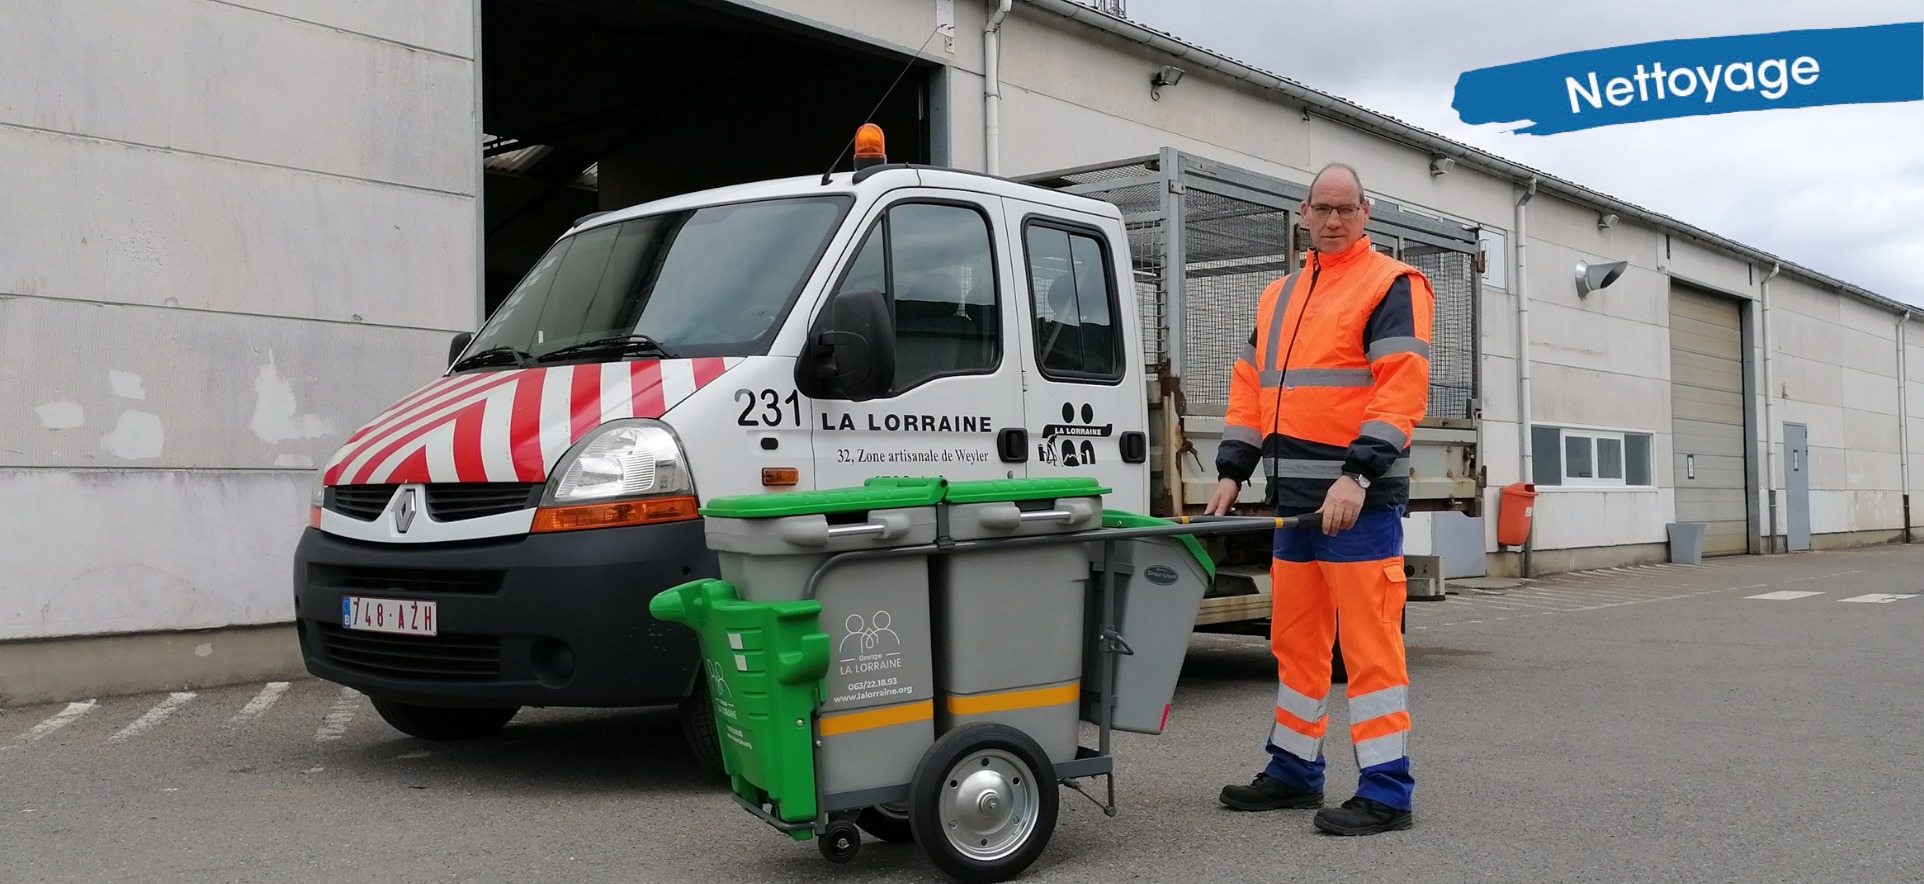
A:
(1084, 404)
(955, 406)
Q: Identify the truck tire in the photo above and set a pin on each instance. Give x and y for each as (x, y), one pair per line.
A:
(698, 729)
(442, 722)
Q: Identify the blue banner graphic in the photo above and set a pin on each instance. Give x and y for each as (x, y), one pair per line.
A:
(1713, 75)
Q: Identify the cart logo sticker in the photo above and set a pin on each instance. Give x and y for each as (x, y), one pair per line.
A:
(866, 656)
(510, 426)
(1059, 446)
(404, 513)
(1160, 575)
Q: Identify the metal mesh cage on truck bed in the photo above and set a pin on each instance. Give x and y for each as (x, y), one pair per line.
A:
(1206, 238)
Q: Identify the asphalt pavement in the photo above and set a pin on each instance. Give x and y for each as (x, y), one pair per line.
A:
(1750, 719)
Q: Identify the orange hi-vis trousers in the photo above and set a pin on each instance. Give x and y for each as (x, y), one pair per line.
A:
(1352, 583)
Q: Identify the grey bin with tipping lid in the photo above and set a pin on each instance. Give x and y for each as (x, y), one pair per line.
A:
(877, 710)
(1159, 583)
(1011, 621)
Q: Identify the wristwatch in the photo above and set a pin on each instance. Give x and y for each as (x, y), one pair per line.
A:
(1361, 480)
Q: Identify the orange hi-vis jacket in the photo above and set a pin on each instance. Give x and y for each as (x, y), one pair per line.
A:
(1335, 378)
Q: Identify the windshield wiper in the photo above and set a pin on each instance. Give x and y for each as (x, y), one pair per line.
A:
(494, 356)
(625, 344)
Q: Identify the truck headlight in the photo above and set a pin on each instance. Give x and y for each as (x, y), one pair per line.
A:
(628, 472)
(316, 497)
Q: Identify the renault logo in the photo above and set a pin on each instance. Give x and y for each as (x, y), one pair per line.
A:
(404, 511)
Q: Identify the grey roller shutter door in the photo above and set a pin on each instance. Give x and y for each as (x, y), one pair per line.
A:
(1707, 418)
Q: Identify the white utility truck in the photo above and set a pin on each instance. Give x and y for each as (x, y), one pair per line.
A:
(492, 540)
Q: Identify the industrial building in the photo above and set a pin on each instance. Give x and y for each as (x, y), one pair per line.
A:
(239, 229)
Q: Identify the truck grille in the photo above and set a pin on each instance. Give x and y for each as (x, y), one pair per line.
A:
(409, 580)
(447, 501)
(444, 658)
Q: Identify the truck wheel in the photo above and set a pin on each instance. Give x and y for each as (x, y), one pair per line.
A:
(983, 802)
(698, 728)
(889, 822)
(442, 722)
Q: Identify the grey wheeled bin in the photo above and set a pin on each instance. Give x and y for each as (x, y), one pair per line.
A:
(877, 711)
(1157, 586)
(1010, 621)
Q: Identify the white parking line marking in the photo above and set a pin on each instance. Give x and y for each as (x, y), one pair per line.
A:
(154, 716)
(59, 720)
(1784, 595)
(335, 724)
(260, 703)
(1880, 598)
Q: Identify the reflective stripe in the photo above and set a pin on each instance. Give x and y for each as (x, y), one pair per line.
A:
(1296, 468)
(1244, 435)
(1382, 750)
(1387, 432)
(1276, 324)
(1249, 355)
(1306, 748)
(1309, 709)
(1377, 704)
(1390, 346)
(1320, 377)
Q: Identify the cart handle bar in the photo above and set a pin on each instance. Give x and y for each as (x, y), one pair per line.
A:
(1181, 525)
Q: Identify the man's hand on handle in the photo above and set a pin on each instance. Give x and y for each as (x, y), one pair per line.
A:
(1341, 505)
(1223, 498)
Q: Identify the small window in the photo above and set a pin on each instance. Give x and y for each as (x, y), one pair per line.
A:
(935, 264)
(1074, 298)
(1590, 457)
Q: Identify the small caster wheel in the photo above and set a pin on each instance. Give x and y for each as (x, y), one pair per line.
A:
(840, 842)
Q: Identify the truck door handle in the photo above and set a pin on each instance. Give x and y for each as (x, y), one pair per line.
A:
(1135, 447)
(1012, 444)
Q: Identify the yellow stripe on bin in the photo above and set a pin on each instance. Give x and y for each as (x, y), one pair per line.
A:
(870, 719)
(1013, 700)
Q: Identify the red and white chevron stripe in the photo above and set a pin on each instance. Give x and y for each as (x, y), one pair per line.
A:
(510, 426)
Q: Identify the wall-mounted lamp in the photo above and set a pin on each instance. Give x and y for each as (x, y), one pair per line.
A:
(1441, 165)
(1167, 75)
(1606, 221)
(1591, 277)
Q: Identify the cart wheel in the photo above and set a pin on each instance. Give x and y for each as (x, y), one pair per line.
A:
(840, 841)
(983, 802)
(889, 822)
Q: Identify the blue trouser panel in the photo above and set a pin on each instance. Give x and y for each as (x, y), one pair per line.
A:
(1376, 536)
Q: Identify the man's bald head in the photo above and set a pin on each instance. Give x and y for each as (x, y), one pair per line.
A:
(1336, 190)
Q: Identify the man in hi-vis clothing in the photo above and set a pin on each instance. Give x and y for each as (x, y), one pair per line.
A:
(1335, 379)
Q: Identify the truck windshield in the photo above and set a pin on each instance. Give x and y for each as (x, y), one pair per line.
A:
(713, 281)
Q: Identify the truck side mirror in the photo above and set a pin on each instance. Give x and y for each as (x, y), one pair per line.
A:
(851, 349)
(455, 347)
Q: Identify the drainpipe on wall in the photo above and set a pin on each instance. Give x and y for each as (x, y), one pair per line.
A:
(1521, 287)
(1770, 421)
(992, 89)
(1904, 420)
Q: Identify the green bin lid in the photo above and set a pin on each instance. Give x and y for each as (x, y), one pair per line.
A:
(890, 492)
(994, 490)
(1120, 519)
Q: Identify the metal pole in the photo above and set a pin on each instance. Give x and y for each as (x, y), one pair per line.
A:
(1770, 420)
(1524, 428)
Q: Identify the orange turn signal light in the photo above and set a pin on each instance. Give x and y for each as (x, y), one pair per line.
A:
(313, 517)
(614, 515)
(869, 143)
(781, 476)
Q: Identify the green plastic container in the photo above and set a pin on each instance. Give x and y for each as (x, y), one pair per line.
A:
(764, 662)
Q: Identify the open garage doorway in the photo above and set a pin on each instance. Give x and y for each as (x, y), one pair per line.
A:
(592, 105)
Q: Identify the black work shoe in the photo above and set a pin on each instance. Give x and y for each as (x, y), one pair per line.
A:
(1267, 793)
(1362, 816)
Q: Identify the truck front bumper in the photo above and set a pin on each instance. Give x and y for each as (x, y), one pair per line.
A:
(537, 620)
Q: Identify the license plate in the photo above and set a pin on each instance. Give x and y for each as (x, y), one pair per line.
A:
(397, 616)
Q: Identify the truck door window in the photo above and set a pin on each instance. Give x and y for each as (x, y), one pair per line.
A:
(1074, 296)
(935, 264)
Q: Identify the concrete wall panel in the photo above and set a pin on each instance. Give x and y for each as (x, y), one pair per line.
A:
(118, 223)
(107, 551)
(160, 388)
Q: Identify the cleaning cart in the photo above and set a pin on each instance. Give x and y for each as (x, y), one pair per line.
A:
(914, 658)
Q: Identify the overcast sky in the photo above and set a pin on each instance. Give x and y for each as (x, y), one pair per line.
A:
(1837, 189)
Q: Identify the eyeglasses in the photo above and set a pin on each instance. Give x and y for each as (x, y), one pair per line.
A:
(1344, 212)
